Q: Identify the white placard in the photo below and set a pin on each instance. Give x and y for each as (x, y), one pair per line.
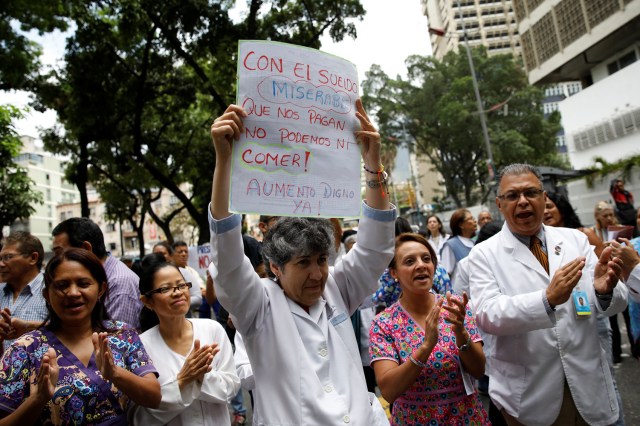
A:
(298, 155)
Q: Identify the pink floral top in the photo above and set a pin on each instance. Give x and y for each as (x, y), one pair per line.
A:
(438, 395)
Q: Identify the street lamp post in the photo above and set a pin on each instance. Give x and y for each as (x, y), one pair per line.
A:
(483, 121)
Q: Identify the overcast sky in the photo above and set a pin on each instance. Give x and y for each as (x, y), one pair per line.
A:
(388, 34)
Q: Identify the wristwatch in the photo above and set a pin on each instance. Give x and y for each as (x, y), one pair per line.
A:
(466, 346)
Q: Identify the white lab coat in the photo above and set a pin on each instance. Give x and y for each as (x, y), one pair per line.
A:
(199, 403)
(532, 354)
(634, 284)
(307, 367)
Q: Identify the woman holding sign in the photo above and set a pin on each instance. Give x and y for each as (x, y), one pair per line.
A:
(296, 327)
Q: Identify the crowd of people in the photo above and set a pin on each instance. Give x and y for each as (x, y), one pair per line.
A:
(319, 324)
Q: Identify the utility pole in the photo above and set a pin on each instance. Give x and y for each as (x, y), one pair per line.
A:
(483, 121)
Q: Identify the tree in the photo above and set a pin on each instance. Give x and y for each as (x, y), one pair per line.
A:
(143, 79)
(18, 195)
(436, 106)
(19, 56)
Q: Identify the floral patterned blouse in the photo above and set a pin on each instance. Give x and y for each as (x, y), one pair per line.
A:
(438, 396)
(82, 396)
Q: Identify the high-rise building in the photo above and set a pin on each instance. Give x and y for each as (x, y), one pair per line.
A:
(489, 23)
(595, 42)
(47, 173)
(566, 40)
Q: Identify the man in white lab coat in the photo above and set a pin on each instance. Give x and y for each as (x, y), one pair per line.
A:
(547, 366)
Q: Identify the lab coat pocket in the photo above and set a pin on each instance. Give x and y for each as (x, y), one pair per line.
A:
(379, 416)
(507, 384)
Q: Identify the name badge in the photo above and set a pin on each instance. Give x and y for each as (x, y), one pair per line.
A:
(581, 304)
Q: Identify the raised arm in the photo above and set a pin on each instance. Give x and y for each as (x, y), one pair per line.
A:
(224, 130)
(376, 194)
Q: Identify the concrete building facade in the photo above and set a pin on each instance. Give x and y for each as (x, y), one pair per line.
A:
(489, 23)
(595, 42)
(47, 173)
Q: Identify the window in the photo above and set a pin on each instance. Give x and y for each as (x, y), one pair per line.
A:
(623, 61)
(112, 246)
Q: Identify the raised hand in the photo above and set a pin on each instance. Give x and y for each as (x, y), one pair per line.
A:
(630, 258)
(103, 355)
(368, 137)
(5, 323)
(45, 385)
(607, 272)
(197, 364)
(431, 326)
(457, 308)
(564, 281)
(227, 128)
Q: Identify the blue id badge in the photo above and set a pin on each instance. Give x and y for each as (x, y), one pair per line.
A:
(581, 304)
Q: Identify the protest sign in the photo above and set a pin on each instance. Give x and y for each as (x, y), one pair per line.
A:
(297, 155)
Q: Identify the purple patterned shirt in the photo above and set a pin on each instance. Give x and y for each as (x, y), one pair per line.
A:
(81, 396)
(123, 300)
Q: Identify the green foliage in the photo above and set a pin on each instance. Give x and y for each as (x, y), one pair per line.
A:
(18, 196)
(436, 109)
(602, 169)
(19, 55)
(142, 81)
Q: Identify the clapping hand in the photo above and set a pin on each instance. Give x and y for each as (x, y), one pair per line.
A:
(45, 385)
(607, 271)
(630, 258)
(564, 281)
(104, 357)
(457, 308)
(5, 323)
(431, 326)
(198, 363)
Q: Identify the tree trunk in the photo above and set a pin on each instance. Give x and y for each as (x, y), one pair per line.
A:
(82, 176)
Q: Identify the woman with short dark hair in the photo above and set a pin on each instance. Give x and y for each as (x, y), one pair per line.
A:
(296, 327)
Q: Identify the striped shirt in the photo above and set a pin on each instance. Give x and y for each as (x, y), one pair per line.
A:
(123, 301)
(30, 304)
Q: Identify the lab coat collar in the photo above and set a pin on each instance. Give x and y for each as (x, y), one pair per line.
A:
(521, 253)
(315, 310)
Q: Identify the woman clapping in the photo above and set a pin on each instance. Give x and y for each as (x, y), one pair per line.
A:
(80, 367)
(423, 345)
(193, 356)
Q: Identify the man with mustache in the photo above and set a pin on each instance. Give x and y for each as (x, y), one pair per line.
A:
(547, 366)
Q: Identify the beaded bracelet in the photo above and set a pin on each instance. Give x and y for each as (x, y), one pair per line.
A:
(416, 362)
(364, 166)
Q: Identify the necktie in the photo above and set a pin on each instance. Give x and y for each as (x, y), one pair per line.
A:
(535, 245)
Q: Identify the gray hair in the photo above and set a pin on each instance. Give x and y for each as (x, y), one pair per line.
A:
(297, 236)
(517, 169)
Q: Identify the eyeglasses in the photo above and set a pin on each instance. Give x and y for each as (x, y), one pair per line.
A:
(7, 257)
(530, 194)
(169, 289)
